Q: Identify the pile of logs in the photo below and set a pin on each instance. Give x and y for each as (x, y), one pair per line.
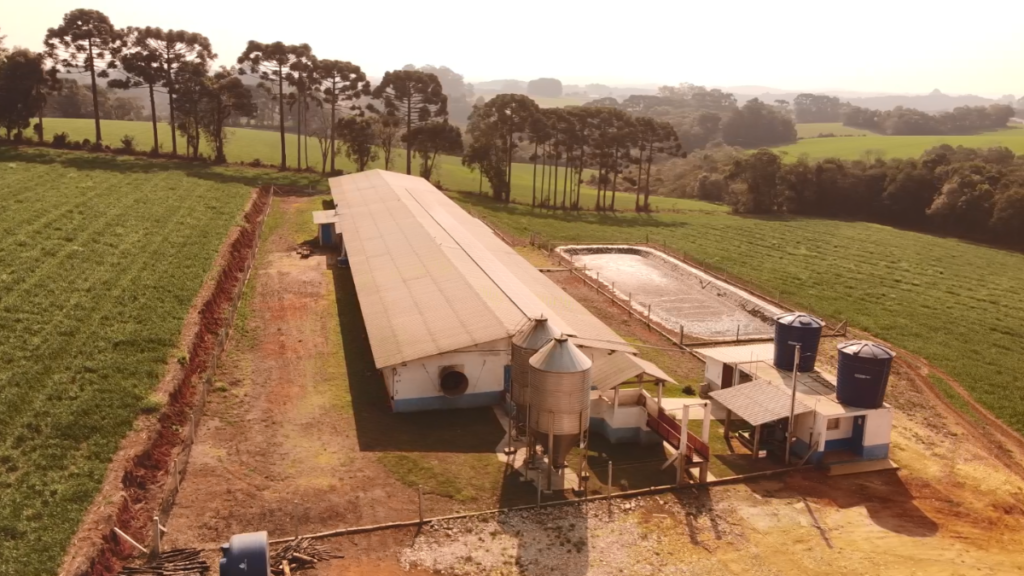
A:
(299, 554)
(180, 562)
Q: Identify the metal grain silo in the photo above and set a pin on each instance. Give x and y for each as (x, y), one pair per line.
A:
(559, 397)
(794, 328)
(525, 344)
(863, 373)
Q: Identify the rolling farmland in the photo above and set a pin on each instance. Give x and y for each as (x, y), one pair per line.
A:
(856, 147)
(959, 310)
(102, 258)
(247, 145)
(813, 129)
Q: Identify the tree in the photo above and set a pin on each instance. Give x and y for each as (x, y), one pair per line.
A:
(23, 81)
(387, 129)
(454, 85)
(224, 97)
(358, 133)
(539, 133)
(122, 108)
(404, 93)
(192, 88)
(494, 126)
(306, 81)
(273, 63)
(545, 88)
(816, 108)
(1008, 216)
(173, 49)
(756, 124)
(85, 41)
(343, 82)
(433, 138)
(758, 177)
(659, 138)
(141, 65)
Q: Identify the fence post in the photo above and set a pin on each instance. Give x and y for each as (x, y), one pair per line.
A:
(154, 550)
(681, 333)
(648, 316)
(420, 489)
(737, 332)
(609, 488)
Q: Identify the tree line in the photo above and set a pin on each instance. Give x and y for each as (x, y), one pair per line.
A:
(706, 118)
(563, 144)
(330, 100)
(965, 192)
(902, 121)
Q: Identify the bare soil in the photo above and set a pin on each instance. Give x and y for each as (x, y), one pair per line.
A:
(281, 449)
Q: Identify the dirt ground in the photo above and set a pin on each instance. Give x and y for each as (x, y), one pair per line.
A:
(282, 449)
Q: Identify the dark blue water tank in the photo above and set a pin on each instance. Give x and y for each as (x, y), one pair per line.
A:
(863, 373)
(246, 555)
(794, 328)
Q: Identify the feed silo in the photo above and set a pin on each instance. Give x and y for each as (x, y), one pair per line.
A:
(524, 345)
(863, 373)
(791, 329)
(559, 397)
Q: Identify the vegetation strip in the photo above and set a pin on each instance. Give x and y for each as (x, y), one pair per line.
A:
(163, 461)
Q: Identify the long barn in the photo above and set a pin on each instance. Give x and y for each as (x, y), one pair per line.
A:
(442, 296)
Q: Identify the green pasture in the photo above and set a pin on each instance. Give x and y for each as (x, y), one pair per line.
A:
(876, 145)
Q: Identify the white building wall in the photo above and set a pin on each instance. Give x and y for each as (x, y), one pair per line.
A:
(713, 373)
(415, 385)
(844, 431)
(878, 427)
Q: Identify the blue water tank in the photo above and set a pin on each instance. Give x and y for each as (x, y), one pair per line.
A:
(246, 555)
(794, 328)
(863, 373)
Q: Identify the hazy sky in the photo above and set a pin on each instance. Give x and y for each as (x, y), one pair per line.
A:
(891, 46)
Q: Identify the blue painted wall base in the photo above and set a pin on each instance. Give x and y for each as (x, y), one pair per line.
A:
(634, 435)
(445, 403)
(875, 452)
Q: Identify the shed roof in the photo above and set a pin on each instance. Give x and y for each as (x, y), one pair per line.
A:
(758, 402)
(433, 279)
(325, 217)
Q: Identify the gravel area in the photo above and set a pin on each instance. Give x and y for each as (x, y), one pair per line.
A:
(651, 535)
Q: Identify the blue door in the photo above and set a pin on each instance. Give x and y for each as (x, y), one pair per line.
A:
(326, 235)
(857, 437)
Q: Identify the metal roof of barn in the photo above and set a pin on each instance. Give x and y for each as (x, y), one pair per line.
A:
(432, 279)
(758, 402)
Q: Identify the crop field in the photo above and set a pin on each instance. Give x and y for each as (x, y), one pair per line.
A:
(952, 302)
(893, 146)
(102, 257)
(247, 145)
(814, 129)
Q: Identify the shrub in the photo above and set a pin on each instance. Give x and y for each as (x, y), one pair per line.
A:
(256, 163)
(86, 143)
(76, 145)
(60, 140)
(689, 391)
(96, 146)
(128, 143)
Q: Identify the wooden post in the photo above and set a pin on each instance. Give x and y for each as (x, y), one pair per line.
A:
(648, 316)
(538, 488)
(154, 550)
(420, 490)
(176, 487)
(705, 429)
(661, 386)
(737, 331)
(792, 404)
(609, 488)
(681, 334)
(757, 440)
(725, 426)
(615, 403)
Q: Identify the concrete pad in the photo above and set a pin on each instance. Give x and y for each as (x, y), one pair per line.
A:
(863, 466)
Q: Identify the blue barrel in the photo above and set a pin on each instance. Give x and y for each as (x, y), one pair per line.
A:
(246, 555)
(863, 374)
(794, 328)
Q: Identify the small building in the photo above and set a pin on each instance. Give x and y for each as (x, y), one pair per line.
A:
(743, 383)
(442, 297)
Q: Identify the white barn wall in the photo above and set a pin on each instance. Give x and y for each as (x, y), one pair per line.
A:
(415, 385)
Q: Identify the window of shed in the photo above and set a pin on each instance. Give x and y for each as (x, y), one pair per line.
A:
(833, 424)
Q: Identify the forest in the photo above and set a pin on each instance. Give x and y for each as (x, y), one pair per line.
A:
(964, 192)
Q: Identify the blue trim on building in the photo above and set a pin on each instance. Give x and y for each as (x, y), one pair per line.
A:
(849, 443)
(801, 447)
(634, 435)
(445, 402)
(327, 235)
(876, 452)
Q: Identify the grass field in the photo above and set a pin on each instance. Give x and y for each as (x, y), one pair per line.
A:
(247, 145)
(893, 146)
(813, 129)
(952, 302)
(102, 257)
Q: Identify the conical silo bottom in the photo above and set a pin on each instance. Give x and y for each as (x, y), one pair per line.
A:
(563, 444)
